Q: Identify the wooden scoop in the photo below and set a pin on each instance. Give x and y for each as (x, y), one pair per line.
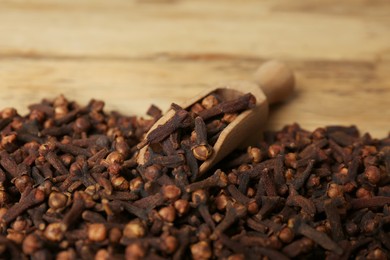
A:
(273, 82)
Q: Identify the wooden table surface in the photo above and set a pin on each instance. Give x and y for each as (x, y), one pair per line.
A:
(134, 53)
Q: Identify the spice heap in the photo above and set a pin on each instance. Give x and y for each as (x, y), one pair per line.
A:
(70, 188)
(188, 136)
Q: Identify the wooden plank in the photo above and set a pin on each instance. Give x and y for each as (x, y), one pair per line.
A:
(350, 30)
(327, 92)
(134, 53)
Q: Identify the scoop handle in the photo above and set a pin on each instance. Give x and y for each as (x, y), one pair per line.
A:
(276, 80)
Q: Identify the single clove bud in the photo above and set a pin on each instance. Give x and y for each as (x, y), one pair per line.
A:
(320, 238)
(219, 179)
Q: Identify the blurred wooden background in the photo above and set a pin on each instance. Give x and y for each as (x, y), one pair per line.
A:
(133, 53)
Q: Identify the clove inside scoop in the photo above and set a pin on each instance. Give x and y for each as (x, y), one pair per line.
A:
(273, 82)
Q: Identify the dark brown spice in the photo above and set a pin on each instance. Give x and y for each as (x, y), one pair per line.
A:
(268, 205)
(219, 179)
(34, 197)
(244, 102)
(163, 131)
(378, 201)
(322, 239)
(70, 187)
(334, 220)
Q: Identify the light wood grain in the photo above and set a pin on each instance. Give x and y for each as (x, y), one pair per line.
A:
(133, 53)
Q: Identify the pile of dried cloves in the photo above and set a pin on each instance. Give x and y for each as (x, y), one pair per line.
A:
(71, 188)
